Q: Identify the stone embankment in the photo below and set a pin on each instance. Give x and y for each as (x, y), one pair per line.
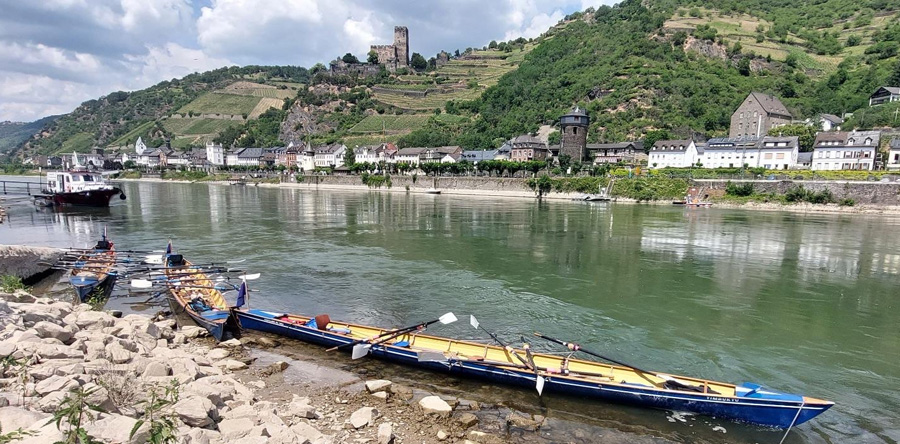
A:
(26, 262)
(50, 349)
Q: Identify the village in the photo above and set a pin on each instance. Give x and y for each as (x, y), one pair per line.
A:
(748, 146)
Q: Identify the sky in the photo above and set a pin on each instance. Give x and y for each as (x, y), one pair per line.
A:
(56, 54)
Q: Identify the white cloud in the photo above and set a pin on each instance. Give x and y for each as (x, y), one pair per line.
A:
(54, 54)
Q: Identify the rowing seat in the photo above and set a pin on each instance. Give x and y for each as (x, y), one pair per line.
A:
(404, 344)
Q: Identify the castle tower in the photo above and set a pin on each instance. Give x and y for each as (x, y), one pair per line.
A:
(574, 127)
(401, 45)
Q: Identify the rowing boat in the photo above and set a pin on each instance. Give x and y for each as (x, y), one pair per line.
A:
(93, 274)
(750, 403)
(191, 291)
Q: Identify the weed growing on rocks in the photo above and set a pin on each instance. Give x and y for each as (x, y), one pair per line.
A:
(157, 414)
(75, 409)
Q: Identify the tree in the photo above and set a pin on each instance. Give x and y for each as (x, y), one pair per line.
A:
(492, 45)
(349, 157)
(373, 58)
(805, 133)
(554, 138)
(744, 66)
(418, 62)
(653, 136)
(317, 68)
(349, 58)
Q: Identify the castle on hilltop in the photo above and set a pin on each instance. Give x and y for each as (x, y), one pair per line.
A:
(395, 56)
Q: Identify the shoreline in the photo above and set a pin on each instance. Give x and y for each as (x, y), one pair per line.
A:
(257, 389)
(801, 208)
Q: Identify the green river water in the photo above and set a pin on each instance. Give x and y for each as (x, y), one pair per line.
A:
(805, 303)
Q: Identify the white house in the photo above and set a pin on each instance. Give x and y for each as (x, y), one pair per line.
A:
(884, 94)
(729, 152)
(244, 157)
(330, 155)
(853, 150)
(778, 153)
(673, 153)
(409, 155)
(307, 160)
(830, 122)
(369, 154)
(893, 159)
(215, 154)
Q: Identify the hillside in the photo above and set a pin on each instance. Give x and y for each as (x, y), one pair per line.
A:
(204, 104)
(637, 69)
(13, 134)
(668, 67)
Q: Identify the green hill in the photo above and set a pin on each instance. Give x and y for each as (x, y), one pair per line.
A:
(13, 134)
(672, 67)
(121, 117)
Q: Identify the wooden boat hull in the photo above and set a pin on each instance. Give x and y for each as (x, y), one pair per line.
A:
(766, 408)
(218, 319)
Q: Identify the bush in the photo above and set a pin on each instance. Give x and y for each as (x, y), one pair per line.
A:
(10, 283)
(742, 190)
(847, 202)
(800, 194)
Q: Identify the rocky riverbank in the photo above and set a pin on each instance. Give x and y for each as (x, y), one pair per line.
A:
(218, 393)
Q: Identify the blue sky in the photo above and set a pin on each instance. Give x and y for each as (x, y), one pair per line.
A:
(55, 54)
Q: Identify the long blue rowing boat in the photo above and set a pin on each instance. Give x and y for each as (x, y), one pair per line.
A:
(93, 274)
(750, 403)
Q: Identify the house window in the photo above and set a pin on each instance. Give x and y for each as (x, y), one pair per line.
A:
(754, 113)
(868, 141)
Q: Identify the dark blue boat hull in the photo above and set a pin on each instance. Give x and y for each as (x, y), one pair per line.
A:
(86, 289)
(767, 412)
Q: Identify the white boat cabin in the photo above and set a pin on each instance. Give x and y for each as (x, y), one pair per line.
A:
(76, 181)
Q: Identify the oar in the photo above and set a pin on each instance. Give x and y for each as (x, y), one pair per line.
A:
(575, 347)
(509, 350)
(538, 379)
(143, 283)
(447, 318)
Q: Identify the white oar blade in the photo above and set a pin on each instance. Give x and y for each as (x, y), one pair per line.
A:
(540, 385)
(249, 277)
(359, 351)
(473, 322)
(154, 259)
(235, 262)
(447, 318)
(141, 283)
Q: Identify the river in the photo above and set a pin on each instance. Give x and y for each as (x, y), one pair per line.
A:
(805, 303)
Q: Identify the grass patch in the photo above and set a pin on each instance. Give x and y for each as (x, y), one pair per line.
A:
(131, 136)
(81, 143)
(10, 283)
(221, 103)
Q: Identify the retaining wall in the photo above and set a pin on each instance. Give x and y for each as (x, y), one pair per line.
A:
(22, 261)
(878, 193)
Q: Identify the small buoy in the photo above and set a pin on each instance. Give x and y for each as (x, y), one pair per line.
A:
(122, 196)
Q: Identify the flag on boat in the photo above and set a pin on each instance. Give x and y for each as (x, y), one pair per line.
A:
(104, 232)
(242, 295)
(168, 248)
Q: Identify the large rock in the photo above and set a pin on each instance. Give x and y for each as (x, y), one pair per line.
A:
(49, 351)
(7, 348)
(34, 313)
(522, 422)
(192, 331)
(385, 433)
(307, 434)
(13, 418)
(156, 369)
(94, 320)
(467, 420)
(117, 353)
(299, 407)
(434, 405)
(363, 417)
(231, 365)
(378, 385)
(236, 428)
(117, 428)
(50, 330)
(196, 411)
(218, 354)
(55, 384)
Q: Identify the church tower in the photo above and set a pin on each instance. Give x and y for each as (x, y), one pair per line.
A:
(574, 127)
(139, 146)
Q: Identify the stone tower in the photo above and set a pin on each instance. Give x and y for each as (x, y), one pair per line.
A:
(574, 127)
(401, 45)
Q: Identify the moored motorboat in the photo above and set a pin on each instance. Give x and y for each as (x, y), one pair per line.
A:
(81, 188)
(93, 274)
(191, 291)
(747, 402)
